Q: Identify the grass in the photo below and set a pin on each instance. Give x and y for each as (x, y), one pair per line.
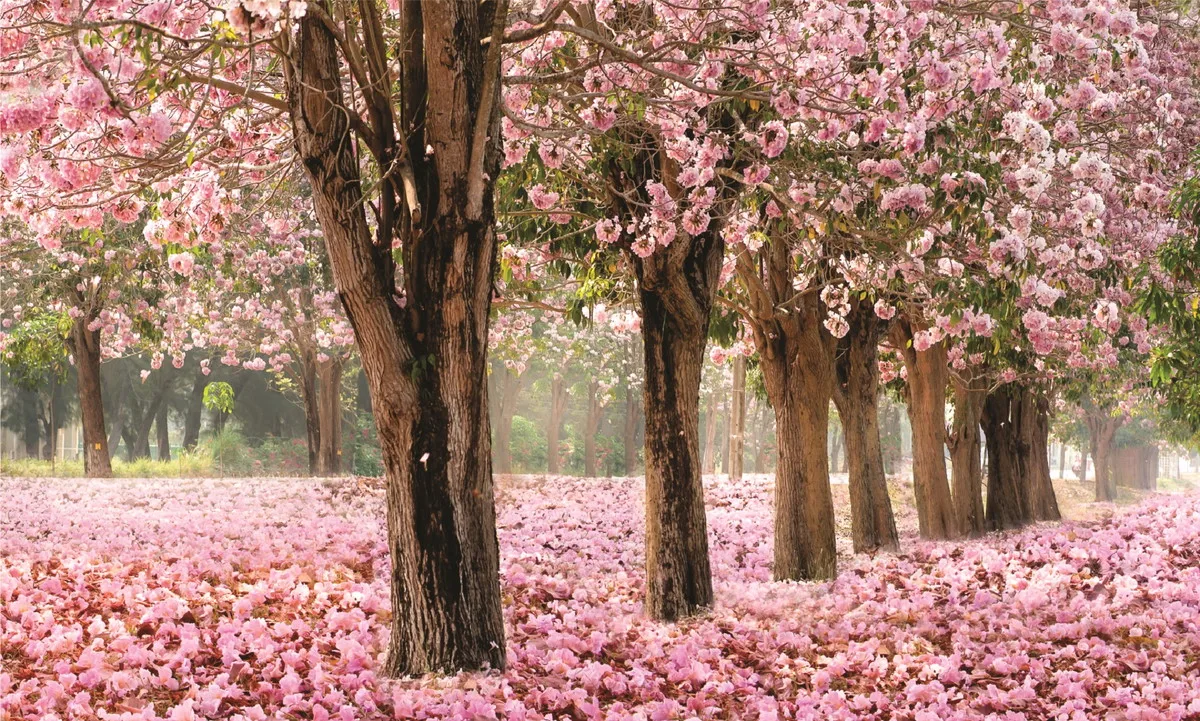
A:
(183, 465)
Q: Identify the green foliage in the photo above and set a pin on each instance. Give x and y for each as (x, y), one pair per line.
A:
(528, 444)
(187, 465)
(218, 396)
(37, 348)
(229, 452)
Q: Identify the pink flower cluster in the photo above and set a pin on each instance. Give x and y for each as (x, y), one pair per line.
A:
(249, 600)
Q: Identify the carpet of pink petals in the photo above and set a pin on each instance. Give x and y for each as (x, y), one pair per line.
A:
(257, 599)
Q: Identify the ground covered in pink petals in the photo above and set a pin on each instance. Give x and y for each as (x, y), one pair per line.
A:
(255, 599)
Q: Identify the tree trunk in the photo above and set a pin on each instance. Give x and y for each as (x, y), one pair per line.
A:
(558, 408)
(307, 372)
(1102, 427)
(162, 428)
(425, 361)
(760, 437)
(632, 421)
(677, 286)
(965, 441)
(856, 394)
(1036, 428)
(709, 463)
(836, 446)
(737, 419)
(1062, 461)
(32, 430)
(595, 414)
(86, 346)
(510, 390)
(928, 376)
(195, 412)
(329, 417)
(1007, 501)
(805, 538)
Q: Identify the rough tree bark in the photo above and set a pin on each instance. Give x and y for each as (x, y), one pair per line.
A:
(559, 396)
(677, 286)
(737, 419)
(1017, 425)
(425, 361)
(85, 344)
(965, 441)
(796, 358)
(925, 391)
(329, 416)
(856, 395)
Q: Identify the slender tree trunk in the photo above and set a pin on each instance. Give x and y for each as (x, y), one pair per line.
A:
(329, 417)
(425, 361)
(928, 376)
(195, 412)
(558, 408)
(737, 420)
(32, 430)
(86, 346)
(965, 442)
(837, 453)
(307, 368)
(592, 428)
(1062, 461)
(510, 390)
(162, 428)
(856, 394)
(632, 421)
(709, 464)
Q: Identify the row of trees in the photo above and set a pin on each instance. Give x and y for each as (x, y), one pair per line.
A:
(975, 189)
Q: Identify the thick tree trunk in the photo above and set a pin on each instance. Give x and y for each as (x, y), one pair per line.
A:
(163, 430)
(195, 412)
(677, 286)
(966, 444)
(805, 538)
(591, 428)
(928, 376)
(426, 361)
(709, 463)
(1007, 500)
(1016, 422)
(510, 390)
(86, 346)
(1043, 505)
(1102, 428)
(558, 408)
(737, 419)
(329, 417)
(856, 393)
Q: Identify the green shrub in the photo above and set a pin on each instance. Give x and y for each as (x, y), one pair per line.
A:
(229, 453)
(528, 444)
